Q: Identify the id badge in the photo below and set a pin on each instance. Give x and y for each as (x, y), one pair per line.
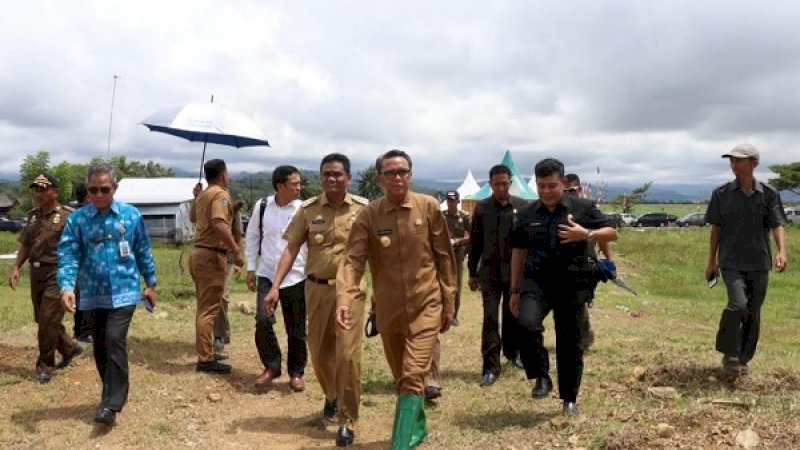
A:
(124, 249)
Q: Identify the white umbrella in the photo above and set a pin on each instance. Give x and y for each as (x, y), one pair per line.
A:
(207, 122)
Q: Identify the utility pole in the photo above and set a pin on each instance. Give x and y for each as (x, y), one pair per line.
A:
(111, 118)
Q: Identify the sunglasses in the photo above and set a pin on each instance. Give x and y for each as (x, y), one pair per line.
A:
(391, 174)
(572, 189)
(103, 189)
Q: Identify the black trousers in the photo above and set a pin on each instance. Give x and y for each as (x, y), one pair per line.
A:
(535, 305)
(110, 335)
(82, 320)
(493, 292)
(293, 303)
(740, 325)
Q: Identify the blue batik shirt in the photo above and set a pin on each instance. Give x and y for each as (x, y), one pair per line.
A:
(106, 251)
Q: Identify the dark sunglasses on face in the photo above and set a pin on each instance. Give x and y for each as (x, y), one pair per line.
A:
(572, 189)
(396, 173)
(94, 189)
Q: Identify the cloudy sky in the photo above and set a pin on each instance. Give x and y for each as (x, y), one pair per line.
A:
(645, 90)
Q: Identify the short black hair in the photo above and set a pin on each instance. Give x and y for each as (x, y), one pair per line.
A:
(573, 178)
(336, 157)
(214, 168)
(281, 175)
(499, 169)
(392, 154)
(80, 192)
(547, 167)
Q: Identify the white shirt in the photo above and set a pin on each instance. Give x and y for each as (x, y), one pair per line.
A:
(276, 219)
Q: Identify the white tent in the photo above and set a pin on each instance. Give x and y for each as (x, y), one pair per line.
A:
(164, 204)
(467, 189)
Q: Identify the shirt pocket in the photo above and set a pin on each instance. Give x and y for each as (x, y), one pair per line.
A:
(320, 235)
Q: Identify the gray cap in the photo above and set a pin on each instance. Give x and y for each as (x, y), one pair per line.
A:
(743, 151)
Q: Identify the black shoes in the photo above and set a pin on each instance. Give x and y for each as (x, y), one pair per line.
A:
(213, 367)
(74, 352)
(432, 392)
(542, 387)
(455, 322)
(105, 415)
(570, 409)
(517, 362)
(344, 436)
(220, 357)
(43, 376)
(329, 411)
(488, 379)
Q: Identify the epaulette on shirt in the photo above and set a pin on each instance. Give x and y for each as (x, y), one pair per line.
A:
(360, 199)
(310, 201)
(65, 208)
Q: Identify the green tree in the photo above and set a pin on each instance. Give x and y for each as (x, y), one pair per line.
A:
(368, 186)
(788, 177)
(628, 201)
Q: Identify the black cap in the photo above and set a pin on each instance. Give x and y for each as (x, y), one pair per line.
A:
(452, 195)
(44, 180)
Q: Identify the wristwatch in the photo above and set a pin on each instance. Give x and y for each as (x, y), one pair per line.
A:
(516, 291)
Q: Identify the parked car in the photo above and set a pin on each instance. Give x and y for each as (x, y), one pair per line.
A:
(628, 219)
(11, 224)
(655, 219)
(792, 214)
(692, 220)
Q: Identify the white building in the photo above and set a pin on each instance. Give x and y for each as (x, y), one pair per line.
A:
(165, 204)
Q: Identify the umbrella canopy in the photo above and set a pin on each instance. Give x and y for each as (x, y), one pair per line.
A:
(207, 122)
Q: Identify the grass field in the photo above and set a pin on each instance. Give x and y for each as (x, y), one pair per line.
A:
(664, 337)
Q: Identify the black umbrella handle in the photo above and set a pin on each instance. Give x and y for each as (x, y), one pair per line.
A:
(202, 160)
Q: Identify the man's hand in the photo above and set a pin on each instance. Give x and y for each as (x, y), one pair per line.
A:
(68, 301)
(13, 278)
(473, 284)
(198, 188)
(251, 281)
(513, 304)
(237, 271)
(572, 232)
(447, 321)
(150, 292)
(238, 261)
(343, 317)
(271, 300)
(711, 270)
(781, 261)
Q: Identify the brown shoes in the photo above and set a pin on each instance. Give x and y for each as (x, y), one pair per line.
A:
(297, 384)
(266, 377)
(732, 366)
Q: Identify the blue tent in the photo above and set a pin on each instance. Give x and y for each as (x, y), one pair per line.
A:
(519, 187)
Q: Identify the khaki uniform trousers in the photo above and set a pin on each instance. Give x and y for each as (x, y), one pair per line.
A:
(335, 353)
(410, 359)
(48, 312)
(434, 378)
(207, 268)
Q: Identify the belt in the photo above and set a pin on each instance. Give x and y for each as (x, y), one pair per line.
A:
(41, 263)
(329, 281)
(213, 249)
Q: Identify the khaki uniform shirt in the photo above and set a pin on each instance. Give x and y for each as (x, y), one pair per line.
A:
(458, 226)
(324, 228)
(42, 233)
(411, 260)
(212, 203)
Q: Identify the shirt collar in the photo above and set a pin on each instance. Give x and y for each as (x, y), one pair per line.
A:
(93, 211)
(291, 204)
(566, 202)
(756, 186)
(323, 199)
(387, 206)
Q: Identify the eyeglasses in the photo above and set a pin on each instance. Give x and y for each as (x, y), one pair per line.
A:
(103, 189)
(402, 173)
(572, 189)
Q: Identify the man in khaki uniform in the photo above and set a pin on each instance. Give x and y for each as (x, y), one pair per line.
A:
(38, 243)
(323, 223)
(404, 237)
(208, 261)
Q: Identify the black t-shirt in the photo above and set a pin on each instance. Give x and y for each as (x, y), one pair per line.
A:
(536, 230)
